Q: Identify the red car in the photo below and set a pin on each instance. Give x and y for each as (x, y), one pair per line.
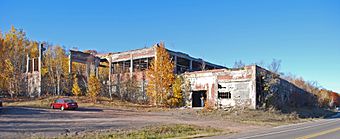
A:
(64, 103)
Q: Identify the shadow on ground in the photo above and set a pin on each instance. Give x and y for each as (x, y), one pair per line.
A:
(81, 109)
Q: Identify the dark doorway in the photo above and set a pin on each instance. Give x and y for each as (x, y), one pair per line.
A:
(196, 98)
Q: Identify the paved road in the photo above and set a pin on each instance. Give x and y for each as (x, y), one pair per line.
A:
(321, 129)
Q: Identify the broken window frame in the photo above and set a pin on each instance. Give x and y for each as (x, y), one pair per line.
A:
(224, 95)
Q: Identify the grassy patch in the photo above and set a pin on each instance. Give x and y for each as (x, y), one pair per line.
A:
(310, 112)
(255, 117)
(38, 103)
(151, 132)
(82, 101)
(164, 131)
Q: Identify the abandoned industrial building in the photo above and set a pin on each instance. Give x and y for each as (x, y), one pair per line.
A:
(221, 86)
(242, 87)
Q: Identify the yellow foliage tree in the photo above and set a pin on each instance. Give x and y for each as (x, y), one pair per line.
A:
(55, 71)
(93, 87)
(160, 76)
(75, 87)
(176, 97)
(13, 52)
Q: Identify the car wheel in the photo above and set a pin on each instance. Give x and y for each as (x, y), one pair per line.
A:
(62, 108)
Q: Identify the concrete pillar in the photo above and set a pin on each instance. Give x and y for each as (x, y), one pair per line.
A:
(27, 68)
(27, 63)
(190, 67)
(70, 63)
(88, 70)
(39, 69)
(96, 65)
(110, 73)
(33, 65)
(175, 64)
(131, 65)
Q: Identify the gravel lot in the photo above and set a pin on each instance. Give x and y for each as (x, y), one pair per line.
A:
(22, 122)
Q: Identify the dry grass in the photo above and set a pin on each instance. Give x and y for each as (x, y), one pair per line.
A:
(255, 117)
(151, 132)
(84, 101)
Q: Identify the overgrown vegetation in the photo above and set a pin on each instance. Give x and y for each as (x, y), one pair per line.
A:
(160, 76)
(83, 101)
(14, 47)
(176, 97)
(93, 87)
(155, 132)
(316, 96)
(268, 117)
(75, 88)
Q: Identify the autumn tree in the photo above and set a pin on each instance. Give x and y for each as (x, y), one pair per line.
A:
(239, 64)
(94, 87)
(61, 67)
(160, 76)
(80, 70)
(55, 70)
(13, 53)
(275, 66)
(75, 88)
(176, 98)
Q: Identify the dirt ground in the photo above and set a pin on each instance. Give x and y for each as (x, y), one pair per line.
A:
(22, 122)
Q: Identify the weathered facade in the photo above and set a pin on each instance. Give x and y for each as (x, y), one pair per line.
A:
(133, 64)
(242, 87)
(33, 73)
(250, 86)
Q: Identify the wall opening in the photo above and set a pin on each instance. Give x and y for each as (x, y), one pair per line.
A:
(224, 95)
(199, 98)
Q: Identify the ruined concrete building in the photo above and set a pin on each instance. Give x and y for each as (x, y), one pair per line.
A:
(138, 60)
(133, 63)
(244, 87)
(222, 87)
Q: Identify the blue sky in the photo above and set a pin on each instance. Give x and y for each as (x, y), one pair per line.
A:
(304, 34)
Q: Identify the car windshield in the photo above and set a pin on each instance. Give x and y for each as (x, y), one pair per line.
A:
(69, 100)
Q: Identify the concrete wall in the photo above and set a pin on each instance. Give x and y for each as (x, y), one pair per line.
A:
(285, 93)
(202, 81)
(241, 84)
(136, 90)
(246, 86)
(33, 83)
